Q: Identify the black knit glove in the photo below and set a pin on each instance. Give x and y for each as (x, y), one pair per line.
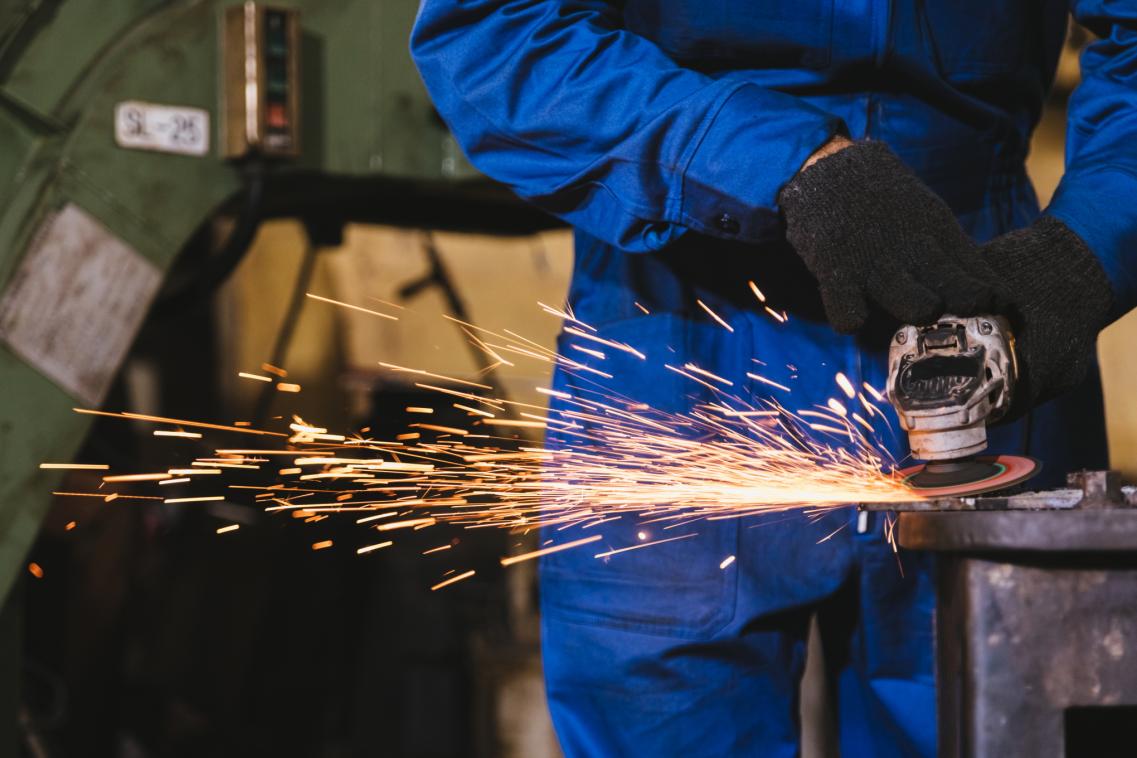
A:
(872, 233)
(1061, 299)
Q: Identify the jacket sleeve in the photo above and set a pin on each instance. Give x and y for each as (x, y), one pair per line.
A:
(598, 126)
(1097, 196)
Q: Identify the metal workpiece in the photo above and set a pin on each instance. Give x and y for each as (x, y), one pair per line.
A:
(1036, 626)
(1084, 490)
(1095, 513)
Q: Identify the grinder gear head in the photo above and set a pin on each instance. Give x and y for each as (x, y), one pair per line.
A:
(948, 380)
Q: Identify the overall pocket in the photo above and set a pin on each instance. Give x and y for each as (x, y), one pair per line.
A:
(977, 37)
(673, 589)
(755, 34)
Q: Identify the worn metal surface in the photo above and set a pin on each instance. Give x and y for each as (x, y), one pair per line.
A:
(1070, 530)
(1036, 618)
(1084, 490)
(1020, 643)
(1096, 513)
(75, 303)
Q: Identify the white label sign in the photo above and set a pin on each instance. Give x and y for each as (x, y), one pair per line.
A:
(75, 302)
(165, 128)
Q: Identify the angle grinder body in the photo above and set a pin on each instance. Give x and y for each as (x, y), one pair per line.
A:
(948, 381)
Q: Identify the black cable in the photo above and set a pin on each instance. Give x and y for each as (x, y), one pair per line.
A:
(216, 269)
(439, 277)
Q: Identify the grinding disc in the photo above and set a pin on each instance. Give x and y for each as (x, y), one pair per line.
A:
(969, 476)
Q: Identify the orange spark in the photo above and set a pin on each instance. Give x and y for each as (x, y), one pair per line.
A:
(352, 307)
(177, 433)
(608, 553)
(420, 372)
(136, 478)
(276, 370)
(452, 580)
(442, 429)
(873, 391)
(412, 523)
(176, 422)
(846, 386)
(770, 382)
(610, 343)
(257, 377)
(715, 316)
(547, 550)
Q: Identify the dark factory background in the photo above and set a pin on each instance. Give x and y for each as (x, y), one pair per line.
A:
(134, 628)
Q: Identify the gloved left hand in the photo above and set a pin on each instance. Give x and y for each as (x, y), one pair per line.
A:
(877, 238)
(1061, 299)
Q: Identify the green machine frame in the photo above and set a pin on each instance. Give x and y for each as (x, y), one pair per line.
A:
(371, 148)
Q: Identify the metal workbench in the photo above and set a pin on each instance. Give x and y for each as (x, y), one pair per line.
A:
(1036, 618)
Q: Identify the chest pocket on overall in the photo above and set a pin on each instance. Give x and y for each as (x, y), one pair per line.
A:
(972, 38)
(753, 34)
(674, 589)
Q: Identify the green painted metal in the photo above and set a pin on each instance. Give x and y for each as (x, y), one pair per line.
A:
(65, 64)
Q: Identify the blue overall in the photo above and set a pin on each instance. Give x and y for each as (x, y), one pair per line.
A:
(662, 131)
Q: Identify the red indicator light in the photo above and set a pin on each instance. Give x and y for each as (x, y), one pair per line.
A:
(276, 116)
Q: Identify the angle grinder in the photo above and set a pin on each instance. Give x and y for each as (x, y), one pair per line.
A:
(947, 382)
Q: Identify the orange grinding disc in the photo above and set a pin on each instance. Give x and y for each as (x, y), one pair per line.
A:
(969, 476)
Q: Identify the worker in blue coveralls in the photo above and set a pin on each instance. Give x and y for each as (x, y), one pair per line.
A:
(862, 162)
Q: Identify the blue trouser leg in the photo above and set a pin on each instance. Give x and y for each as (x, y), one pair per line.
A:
(878, 633)
(636, 694)
(670, 656)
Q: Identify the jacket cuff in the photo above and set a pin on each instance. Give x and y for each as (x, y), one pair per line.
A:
(755, 143)
(1098, 206)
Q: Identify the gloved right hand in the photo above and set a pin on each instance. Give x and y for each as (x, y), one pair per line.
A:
(871, 232)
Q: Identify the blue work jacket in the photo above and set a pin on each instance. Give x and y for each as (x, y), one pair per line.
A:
(662, 130)
(641, 121)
